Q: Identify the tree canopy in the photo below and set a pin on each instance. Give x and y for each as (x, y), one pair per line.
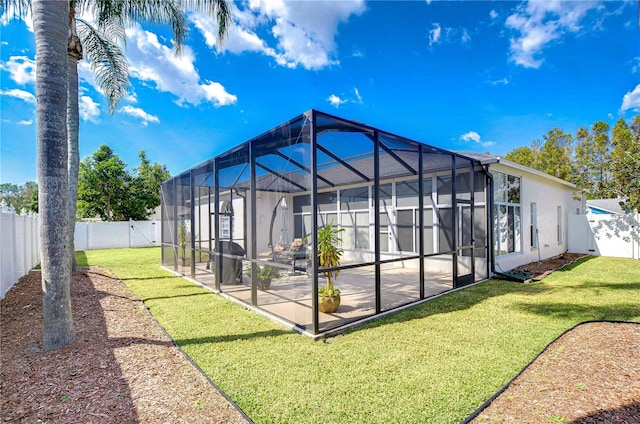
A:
(21, 197)
(108, 190)
(602, 162)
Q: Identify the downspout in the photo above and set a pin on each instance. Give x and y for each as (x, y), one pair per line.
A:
(492, 233)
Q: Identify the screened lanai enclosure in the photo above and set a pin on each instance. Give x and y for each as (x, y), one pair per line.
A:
(414, 221)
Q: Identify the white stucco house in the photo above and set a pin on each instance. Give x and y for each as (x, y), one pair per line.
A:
(531, 211)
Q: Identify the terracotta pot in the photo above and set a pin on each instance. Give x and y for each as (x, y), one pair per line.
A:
(328, 304)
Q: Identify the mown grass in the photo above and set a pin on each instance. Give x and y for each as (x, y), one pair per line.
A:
(433, 363)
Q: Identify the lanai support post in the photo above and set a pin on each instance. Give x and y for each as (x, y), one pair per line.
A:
(314, 224)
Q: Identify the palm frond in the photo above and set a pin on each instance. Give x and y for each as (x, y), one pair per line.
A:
(216, 9)
(17, 8)
(107, 61)
(154, 12)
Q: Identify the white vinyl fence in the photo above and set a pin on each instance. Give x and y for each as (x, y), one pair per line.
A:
(605, 235)
(20, 241)
(110, 235)
(19, 246)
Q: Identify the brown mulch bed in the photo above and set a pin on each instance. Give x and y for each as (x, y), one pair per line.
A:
(122, 367)
(589, 375)
(541, 269)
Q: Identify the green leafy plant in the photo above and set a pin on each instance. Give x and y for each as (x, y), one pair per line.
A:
(182, 238)
(267, 272)
(329, 255)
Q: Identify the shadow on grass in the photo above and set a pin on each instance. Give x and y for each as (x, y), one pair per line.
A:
(160, 277)
(606, 286)
(573, 311)
(176, 296)
(81, 259)
(232, 337)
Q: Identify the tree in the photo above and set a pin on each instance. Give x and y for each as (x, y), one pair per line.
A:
(102, 184)
(625, 163)
(21, 197)
(144, 192)
(50, 24)
(592, 157)
(106, 189)
(553, 156)
(523, 155)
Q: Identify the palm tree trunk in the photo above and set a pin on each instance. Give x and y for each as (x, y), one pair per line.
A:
(74, 51)
(50, 23)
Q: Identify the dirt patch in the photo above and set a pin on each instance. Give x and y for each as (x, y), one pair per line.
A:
(122, 367)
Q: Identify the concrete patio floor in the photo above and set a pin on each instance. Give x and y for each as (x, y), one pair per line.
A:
(289, 297)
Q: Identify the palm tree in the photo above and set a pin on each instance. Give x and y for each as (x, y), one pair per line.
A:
(58, 198)
(50, 24)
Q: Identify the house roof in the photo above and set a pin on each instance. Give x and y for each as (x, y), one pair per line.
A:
(608, 205)
(488, 159)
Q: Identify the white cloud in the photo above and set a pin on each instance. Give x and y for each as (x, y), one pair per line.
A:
(335, 100)
(635, 67)
(537, 23)
(19, 94)
(631, 100)
(493, 14)
(358, 96)
(434, 34)
(447, 35)
(503, 81)
(156, 63)
(22, 70)
(475, 137)
(86, 74)
(25, 122)
(89, 110)
(136, 112)
(465, 36)
(303, 33)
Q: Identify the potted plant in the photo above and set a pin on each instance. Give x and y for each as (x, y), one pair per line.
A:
(329, 255)
(265, 274)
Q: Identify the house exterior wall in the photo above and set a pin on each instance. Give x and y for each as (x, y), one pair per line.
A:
(548, 194)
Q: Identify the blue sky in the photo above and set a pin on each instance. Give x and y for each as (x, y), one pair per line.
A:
(472, 76)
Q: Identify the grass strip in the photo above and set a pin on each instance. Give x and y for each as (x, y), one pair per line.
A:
(433, 363)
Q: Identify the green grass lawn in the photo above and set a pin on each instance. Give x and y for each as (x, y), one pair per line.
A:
(433, 363)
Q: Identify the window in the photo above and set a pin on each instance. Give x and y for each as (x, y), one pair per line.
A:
(354, 217)
(559, 224)
(507, 218)
(534, 225)
(225, 227)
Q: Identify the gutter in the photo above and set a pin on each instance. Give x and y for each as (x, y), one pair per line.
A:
(491, 252)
